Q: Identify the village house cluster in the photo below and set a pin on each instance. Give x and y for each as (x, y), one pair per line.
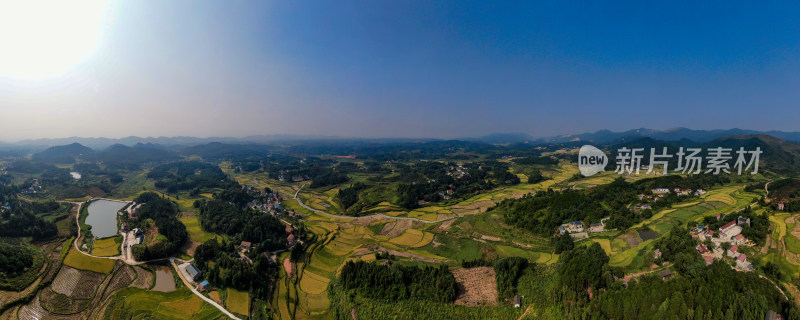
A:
(780, 206)
(268, 202)
(729, 233)
(577, 231)
(35, 187)
(193, 274)
(659, 193)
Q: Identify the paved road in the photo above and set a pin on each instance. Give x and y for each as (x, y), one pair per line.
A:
(206, 299)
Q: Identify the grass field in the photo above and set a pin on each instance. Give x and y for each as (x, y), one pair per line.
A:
(107, 247)
(81, 261)
(238, 301)
(134, 303)
(196, 232)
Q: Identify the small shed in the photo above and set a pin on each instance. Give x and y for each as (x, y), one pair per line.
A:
(665, 274)
(203, 285)
(246, 245)
(517, 301)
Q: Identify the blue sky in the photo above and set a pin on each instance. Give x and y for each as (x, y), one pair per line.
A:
(419, 69)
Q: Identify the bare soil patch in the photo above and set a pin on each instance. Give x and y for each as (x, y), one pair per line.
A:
(464, 212)
(477, 286)
(187, 214)
(375, 248)
(445, 226)
(632, 238)
(522, 245)
(164, 280)
(367, 220)
(394, 229)
(288, 266)
(144, 278)
(96, 192)
(190, 246)
(215, 296)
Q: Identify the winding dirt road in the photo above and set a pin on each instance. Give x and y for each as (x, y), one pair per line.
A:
(294, 196)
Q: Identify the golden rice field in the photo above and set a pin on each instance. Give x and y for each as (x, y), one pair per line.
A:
(107, 247)
(313, 283)
(238, 301)
(135, 303)
(605, 244)
(408, 238)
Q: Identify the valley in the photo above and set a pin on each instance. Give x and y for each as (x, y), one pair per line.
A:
(494, 242)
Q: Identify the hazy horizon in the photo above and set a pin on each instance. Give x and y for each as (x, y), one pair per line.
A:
(393, 69)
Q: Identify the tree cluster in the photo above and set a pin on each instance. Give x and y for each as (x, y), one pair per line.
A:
(165, 215)
(507, 272)
(429, 180)
(398, 282)
(188, 175)
(14, 260)
(349, 196)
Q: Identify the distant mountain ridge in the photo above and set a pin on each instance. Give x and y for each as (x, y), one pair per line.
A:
(597, 137)
(101, 142)
(63, 154)
(675, 134)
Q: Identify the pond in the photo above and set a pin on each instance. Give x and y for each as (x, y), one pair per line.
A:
(75, 175)
(165, 282)
(103, 217)
(647, 234)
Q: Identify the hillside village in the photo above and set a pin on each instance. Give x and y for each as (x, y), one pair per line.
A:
(724, 242)
(577, 229)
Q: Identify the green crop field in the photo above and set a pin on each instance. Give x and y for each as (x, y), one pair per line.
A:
(196, 232)
(81, 261)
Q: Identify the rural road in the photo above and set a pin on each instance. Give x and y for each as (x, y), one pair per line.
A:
(351, 217)
(206, 299)
(130, 261)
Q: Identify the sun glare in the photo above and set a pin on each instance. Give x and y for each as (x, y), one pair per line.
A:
(45, 39)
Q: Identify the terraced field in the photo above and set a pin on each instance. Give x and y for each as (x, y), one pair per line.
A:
(783, 246)
(144, 278)
(471, 235)
(78, 284)
(139, 304)
(34, 311)
(627, 249)
(122, 278)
